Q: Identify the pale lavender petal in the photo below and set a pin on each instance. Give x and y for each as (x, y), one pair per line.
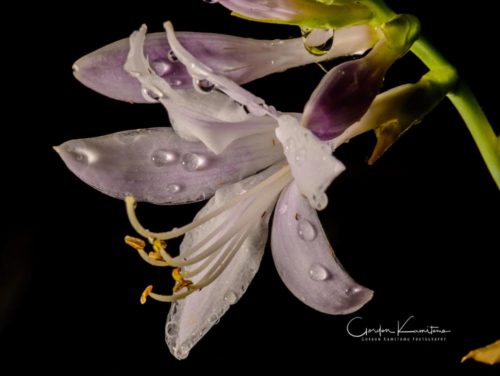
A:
(155, 165)
(247, 224)
(305, 260)
(240, 59)
(301, 12)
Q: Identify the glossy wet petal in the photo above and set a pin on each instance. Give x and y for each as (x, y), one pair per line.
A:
(308, 13)
(312, 163)
(240, 59)
(246, 225)
(156, 165)
(305, 260)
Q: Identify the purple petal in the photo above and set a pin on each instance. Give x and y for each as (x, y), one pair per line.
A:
(240, 59)
(155, 165)
(300, 12)
(305, 260)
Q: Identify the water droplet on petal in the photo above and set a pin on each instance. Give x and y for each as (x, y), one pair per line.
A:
(173, 188)
(194, 162)
(175, 82)
(162, 157)
(283, 209)
(230, 297)
(211, 1)
(150, 96)
(213, 319)
(317, 41)
(171, 329)
(300, 155)
(318, 273)
(171, 56)
(161, 68)
(352, 290)
(203, 85)
(306, 230)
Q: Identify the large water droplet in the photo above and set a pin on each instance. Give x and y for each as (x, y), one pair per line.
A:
(161, 68)
(150, 96)
(171, 329)
(172, 57)
(317, 41)
(230, 297)
(306, 230)
(162, 157)
(318, 273)
(194, 162)
(203, 86)
(173, 188)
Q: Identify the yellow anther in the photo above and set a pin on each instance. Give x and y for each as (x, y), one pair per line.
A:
(180, 282)
(155, 256)
(145, 294)
(136, 243)
(159, 245)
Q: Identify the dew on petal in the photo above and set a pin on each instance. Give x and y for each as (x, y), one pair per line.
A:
(283, 209)
(318, 273)
(352, 290)
(161, 68)
(203, 86)
(194, 162)
(306, 230)
(230, 297)
(173, 188)
(162, 157)
(172, 57)
(317, 41)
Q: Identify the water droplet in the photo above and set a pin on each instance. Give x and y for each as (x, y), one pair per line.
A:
(318, 273)
(161, 68)
(300, 155)
(171, 56)
(213, 319)
(283, 209)
(162, 157)
(171, 329)
(175, 82)
(290, 145)
(183, 351)
(194, 162)
(211, 1)
(203, 85)
(150, 96)
(352, 290)
(317, 41)
(173, 188)
(230, 297)
(306, 230)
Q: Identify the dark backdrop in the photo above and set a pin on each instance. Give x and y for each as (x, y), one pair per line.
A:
(420, 227)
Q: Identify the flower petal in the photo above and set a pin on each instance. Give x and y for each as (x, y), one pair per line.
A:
(312, 163)
(240, 59)
(305, 260)
(300, 12)
(344, 95)
(156, 165)
(191, 318)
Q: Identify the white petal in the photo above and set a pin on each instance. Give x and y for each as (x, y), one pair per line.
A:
(191, 318)
(313, 165)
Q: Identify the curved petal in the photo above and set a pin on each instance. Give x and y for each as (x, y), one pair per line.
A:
(312, 163)
(305, 260)
(240, 59)
(157, 166)
(245, 226)
(309, 13)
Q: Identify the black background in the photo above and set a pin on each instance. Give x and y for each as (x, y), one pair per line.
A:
(420, 227)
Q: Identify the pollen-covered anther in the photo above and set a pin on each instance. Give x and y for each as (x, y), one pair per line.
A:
(180, 282)
(136, 243)
(154, 258)
(146, 293)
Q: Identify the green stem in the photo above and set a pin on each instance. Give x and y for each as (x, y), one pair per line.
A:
(461, 97)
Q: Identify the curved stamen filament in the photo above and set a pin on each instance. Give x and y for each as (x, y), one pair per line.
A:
(176, 232)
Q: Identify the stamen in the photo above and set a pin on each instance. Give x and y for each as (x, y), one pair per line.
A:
(152, 258)
(180, 282)
(146, 293)
(176, 232)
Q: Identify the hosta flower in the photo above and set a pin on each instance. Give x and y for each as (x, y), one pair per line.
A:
(228, 144)
(248, 158)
